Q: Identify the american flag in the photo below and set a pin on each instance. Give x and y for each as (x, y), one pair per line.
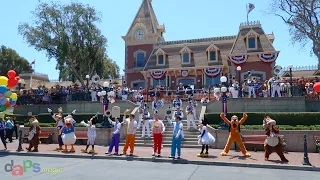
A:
(33, 62)
(250, 7)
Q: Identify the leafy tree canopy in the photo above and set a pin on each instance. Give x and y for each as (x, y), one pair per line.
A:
(10, 59)
(68, 34)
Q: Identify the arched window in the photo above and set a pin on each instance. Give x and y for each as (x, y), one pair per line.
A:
(140, 58)
(212, 53)
(252, 40)
(161, 57)
(185, 55)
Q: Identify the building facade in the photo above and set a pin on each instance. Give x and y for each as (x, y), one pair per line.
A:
(150, 60)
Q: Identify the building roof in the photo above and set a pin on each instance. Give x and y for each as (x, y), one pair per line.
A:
(145, 14)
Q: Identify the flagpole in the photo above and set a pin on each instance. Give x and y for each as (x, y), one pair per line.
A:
(247, 14)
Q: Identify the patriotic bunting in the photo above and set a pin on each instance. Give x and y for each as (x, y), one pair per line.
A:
(158, 74)
(238, 59)
(212, 72)
(268, 58)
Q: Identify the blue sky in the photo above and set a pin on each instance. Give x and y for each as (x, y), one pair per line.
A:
(183, 20)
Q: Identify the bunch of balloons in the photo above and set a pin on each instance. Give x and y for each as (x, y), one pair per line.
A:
(7, 98)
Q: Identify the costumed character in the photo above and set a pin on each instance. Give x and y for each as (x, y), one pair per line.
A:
(33, 137)
(92, 134)
(205, 100)
(2, 134)
(68, 136)
(157, 105)
(178, 113)
(139, 99)
(250, 83)
(234, 135)
(93, 91)
(177, 102)
(124, 93)
(111, 96)
(205, 139)
(273, 142)
(115, 140)
(131, 132)
(59, 124)
(176, 137)
(157, 130)
(190, 116)
(275, 85)
(145, 121)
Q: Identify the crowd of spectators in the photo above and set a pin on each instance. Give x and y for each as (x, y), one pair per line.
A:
(60, 94)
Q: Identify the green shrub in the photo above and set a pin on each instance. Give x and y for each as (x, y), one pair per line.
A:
(282, 127)
(282, 118)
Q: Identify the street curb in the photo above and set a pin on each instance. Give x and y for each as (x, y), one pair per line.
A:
(167, 160)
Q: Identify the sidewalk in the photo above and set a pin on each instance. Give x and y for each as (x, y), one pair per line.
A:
(188, 156)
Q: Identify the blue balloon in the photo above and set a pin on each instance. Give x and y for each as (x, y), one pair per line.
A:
(3, 89)
(3, 100)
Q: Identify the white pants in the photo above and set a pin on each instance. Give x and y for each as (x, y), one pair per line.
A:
(144, 127)
(139, 121)
(195, 113)
(274, 90)
(190, 118)
(91, 140)
(252, 91)
(235, 94)
(124, 97)
(94, 96)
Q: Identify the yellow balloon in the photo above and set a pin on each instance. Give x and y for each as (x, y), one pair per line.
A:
(3, 81)
(1, 115)
(14, 96)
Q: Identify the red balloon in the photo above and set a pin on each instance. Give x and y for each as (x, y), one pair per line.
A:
(11, 74)
(7, 105)
(12, 82)
(316, 87)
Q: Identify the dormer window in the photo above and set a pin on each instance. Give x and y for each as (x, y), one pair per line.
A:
(212, 53)
(161, 57)
(252, 40)
(185, 55)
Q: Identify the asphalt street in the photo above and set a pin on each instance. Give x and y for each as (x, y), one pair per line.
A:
(87, 169)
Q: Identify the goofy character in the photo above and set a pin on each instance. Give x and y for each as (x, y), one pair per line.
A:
(59, 124)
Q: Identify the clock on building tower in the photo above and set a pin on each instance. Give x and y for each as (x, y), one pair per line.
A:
(139, 34)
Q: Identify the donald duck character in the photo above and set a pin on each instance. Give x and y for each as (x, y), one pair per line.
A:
(68, 136)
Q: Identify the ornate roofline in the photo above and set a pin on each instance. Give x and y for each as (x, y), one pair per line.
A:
(197, 40)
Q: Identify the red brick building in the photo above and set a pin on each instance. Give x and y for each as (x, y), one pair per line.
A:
(150, 60)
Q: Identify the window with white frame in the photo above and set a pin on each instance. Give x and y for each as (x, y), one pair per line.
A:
(252, 40)
(161, 57)
(212, 53)
(185, 55)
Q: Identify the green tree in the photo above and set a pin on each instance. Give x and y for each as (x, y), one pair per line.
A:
(111, 69)
(302, 17)
(68, 34)
(10, 59)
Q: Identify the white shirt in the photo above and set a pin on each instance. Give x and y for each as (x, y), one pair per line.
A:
(91, 129)
(132, 125)
(117, 126)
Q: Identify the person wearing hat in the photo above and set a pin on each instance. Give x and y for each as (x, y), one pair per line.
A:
(177, 102)
(190, 116)
(2, 133)
(157, 104)
(9, 129)
(58, 117)
(139, 98)
(180, 89)
(176, 137)
(131, 132)
(144, 120)
(275, 86)
(178, 113)
(115, 141)
(92, 134)
(157, 130)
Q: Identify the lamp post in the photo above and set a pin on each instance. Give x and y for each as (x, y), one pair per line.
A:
(224, 90)
(19, 84)
(239, 80)
(87, 77)
(290, 71)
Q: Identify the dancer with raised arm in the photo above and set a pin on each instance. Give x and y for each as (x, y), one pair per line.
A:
(92, 134)
(58, 117)
(176, 137)
(115, 140)
(190, 116)
(205, 139)
(131, 132)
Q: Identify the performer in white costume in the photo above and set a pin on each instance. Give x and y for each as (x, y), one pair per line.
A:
(205, 100)
(144, 121)
(177, 102)
(124, 93)
(275, 85)
(157, 105)
(139, 98)
(92, 134)
(194, 104)
(93, 91)
(251, 88)
(205, 139)
(190, 116)
(234, 89)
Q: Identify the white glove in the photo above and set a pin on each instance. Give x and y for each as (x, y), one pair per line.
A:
(74, 111)
(82, 122)
(49, 110)
(199, 136)
(177, 137)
